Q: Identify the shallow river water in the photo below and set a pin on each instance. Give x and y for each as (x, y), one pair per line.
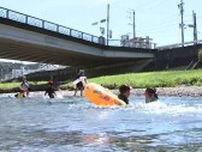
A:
(75, 125)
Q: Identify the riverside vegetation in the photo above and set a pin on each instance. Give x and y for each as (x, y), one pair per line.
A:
(136, 80)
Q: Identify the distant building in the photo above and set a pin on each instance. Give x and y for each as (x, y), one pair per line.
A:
(137, 42)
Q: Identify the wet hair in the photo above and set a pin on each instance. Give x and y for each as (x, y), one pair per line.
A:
(152, 91)
(124, 88)
(81, 73)
(23, 77)
(50, 82)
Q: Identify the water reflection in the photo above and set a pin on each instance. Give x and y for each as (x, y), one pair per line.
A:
(16, 138)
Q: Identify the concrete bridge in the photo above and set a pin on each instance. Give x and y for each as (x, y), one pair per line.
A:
(27, 38)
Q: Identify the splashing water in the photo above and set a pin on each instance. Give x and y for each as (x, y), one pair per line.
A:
(74, 124)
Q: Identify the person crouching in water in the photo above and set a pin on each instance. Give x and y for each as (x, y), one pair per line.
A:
(124, 91)
(79, 83)
(150, 95)
(50, 90)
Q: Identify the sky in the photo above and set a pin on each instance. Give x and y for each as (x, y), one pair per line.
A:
(158, 19)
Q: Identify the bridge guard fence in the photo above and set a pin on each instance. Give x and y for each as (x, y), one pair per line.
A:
(40, 23)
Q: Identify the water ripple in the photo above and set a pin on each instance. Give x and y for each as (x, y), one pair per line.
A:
(74, 124)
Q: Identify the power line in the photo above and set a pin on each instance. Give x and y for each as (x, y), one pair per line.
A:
(166, 21)
(160, 27)
(160, 24)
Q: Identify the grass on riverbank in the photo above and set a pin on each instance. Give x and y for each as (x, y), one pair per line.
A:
(152, 79)
(9, 85)
(137, 80)
(13, 86)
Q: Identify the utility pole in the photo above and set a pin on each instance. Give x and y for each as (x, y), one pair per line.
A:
(102, 29)
(134, 26)
(195, 28)
(108, 17)
(181, 8)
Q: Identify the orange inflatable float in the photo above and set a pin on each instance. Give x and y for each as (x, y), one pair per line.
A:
(101, 96)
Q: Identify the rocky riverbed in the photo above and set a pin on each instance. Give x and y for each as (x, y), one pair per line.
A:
(194, 91)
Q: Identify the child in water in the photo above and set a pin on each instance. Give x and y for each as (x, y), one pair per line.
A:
(20, 94)
(25, 86)
(124, 93)
(50, 90)
(150, 95)
(80, 82)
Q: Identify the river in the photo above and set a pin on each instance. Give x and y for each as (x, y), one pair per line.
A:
(73, 124)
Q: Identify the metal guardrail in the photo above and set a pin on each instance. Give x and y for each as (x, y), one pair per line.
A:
(40, 23)
(47, 25)
(177, 45)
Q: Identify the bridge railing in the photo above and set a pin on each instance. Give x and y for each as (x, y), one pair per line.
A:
(177, 45)
(40, 23)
